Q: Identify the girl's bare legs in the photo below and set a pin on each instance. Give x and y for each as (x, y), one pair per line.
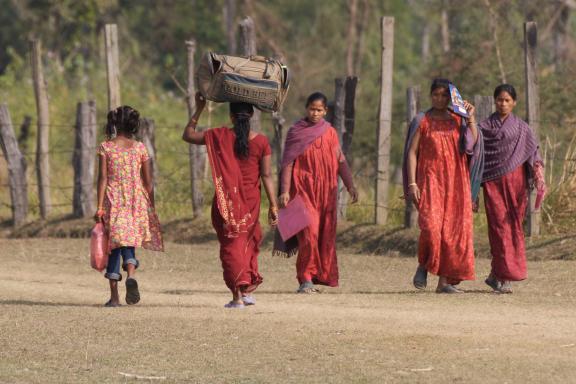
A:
(131, 270)
(114, 298)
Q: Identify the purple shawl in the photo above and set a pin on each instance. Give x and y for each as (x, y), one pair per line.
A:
(299, 137)
(507, 145)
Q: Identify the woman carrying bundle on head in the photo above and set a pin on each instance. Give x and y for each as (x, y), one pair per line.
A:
(311, 163)
(437, 179)
(239, 159)
(512, 165)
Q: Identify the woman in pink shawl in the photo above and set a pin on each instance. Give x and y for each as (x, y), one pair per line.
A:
(311, 164)
(512, 165)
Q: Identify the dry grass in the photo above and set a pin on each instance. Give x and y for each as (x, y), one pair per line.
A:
(374, 329)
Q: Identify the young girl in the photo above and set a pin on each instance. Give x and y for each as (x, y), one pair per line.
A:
(239, 159)
(126, 200)
(311, 164)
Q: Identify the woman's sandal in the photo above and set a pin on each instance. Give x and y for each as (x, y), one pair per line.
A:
(420, 279)
(249, 300)
(506, 287)
(493, 283)
(448, 289)
(234, 305)
(308, 287)
(132, 293)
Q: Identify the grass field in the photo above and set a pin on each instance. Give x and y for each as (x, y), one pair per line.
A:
(374, 329)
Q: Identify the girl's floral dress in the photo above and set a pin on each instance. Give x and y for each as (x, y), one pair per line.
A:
(129, 218)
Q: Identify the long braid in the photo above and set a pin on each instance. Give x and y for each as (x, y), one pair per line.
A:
(242, 113)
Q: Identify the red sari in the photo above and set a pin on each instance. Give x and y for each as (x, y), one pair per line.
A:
(506, 199)
(445, 246)
(236, 206)
(315, 180)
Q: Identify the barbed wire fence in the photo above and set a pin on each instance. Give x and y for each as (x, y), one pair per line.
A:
(173, 184)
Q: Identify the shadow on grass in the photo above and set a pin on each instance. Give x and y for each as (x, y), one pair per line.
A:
(30, 303)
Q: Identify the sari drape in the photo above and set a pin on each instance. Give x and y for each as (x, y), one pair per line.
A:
(236, 206)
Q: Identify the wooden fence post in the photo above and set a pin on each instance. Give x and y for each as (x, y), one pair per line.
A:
(42, 156)
(248, 48)
(338, 123)
(84, 160)
(532, 111)
(413, 106)
(16, 168)
(194, 151)
(112, 66)
(229, 16)
(148, 137)
(484, 107)
(278, 143)
(384, 121)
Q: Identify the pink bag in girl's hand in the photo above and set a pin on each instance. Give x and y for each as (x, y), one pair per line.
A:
(99, 247)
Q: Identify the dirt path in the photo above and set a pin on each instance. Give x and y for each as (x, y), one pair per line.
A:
(374, 329)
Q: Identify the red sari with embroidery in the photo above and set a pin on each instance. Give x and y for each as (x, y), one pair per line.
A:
(315, 180)
(236, 206)
(445, 246)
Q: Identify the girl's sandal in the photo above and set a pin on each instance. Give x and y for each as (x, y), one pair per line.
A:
(132, 293)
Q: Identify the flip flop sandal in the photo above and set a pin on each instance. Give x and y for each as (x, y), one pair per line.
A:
(448, 289)
(249, 300)
(234, 305)
(506, 287)
(420, 279)
(493, 283)
(110, 304)
(132, 293)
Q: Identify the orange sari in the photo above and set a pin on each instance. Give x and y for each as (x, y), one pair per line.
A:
(445, 246)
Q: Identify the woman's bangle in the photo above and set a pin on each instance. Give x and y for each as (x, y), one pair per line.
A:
(273, 208)
(411, 184)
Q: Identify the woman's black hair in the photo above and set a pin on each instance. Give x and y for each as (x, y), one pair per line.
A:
(315, 97)
(505, 88)
(242, 113)
(440, 83)
(123, 119)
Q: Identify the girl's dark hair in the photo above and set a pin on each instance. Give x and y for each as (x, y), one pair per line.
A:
(122, 119)
(505, 88)
(242, 113)
(315, 97)
(440, 83)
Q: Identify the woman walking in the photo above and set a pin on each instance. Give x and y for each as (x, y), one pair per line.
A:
(239, 159)
(512, 165)
(311, 163)
(437, 180)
